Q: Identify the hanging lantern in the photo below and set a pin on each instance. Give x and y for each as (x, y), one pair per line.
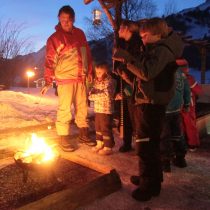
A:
(97, 17)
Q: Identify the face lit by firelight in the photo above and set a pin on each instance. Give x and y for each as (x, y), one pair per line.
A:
(149, 38)
(66, 21)
(100, 72)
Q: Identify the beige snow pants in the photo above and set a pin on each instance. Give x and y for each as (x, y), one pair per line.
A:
(68, 94)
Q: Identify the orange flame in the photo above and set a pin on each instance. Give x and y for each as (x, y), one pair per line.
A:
(38, 151)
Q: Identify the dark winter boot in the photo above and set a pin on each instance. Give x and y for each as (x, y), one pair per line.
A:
(135, 180)
(143, 192)
(125, 148)
(166, 166)
(66, 144)
(154, 188)
(179, 161)
(84, 137)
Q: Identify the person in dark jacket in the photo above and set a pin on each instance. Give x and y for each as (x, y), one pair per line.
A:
(129, 33)
(154, 88)
(173, 145)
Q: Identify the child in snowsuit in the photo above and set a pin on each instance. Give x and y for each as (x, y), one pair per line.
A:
(189, 118)
(102, 94)
(172, 140)
(153, 90)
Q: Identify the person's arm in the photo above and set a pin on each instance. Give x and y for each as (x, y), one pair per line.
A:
(186, 95)
(195, 87)
(103, 94)
(150, 66)
(89, 58)
(50, 63)
(125, 77)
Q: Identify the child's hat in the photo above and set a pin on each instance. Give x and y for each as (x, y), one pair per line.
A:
(183, 65)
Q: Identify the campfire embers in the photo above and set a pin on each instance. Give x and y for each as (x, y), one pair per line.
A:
(37, 155)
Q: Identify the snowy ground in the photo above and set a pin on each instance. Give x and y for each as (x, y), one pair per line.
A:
(185, 189)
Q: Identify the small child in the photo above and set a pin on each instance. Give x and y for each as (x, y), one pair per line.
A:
(173, 144)
(189, 118)
(102, 94)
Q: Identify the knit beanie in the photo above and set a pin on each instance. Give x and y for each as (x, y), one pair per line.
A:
(183, 65)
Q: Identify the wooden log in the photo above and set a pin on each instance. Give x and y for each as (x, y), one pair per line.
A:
(87, 163)
(73, 198)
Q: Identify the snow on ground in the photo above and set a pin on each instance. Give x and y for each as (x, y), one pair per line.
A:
(18, 108)
(203, 6)
(183, 189)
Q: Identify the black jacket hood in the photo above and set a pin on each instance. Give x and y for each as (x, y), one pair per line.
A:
(174, 44)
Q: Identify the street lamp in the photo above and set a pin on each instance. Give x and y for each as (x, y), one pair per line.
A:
(29, 74)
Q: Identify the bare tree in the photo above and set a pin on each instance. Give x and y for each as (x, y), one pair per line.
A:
(170, 8)
(11, 41)
(95, 32)
(131, 9)
(138, 9)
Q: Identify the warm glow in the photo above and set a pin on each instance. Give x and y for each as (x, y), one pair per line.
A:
(97, 14)
(30, 73)
(37, 151)
(96, 17)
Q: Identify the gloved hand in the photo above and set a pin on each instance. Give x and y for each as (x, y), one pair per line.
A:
(186, 109)
(122, 56)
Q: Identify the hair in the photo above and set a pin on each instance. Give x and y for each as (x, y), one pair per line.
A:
(155, 26)
(103, 65)
(68, 10)
(132, 25)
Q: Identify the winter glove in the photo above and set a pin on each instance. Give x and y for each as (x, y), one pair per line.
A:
(186, 109)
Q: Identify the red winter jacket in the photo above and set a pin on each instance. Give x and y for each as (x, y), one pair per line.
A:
(195, 88)
(68, 57)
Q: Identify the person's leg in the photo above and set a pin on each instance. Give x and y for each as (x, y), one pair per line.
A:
(65, 98)
(178, 140)
(99, 136)
(80, 105)
(191, 132)
(166, 145)
(148, 149)
(106, 130)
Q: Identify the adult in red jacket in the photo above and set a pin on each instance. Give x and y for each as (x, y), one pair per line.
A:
(189, 118)
(68, 61)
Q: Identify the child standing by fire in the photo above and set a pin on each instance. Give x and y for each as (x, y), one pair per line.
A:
(102, 94)
(189, 118)
(153, 90)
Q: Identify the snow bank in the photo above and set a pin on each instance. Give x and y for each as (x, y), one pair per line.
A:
(21, 109)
